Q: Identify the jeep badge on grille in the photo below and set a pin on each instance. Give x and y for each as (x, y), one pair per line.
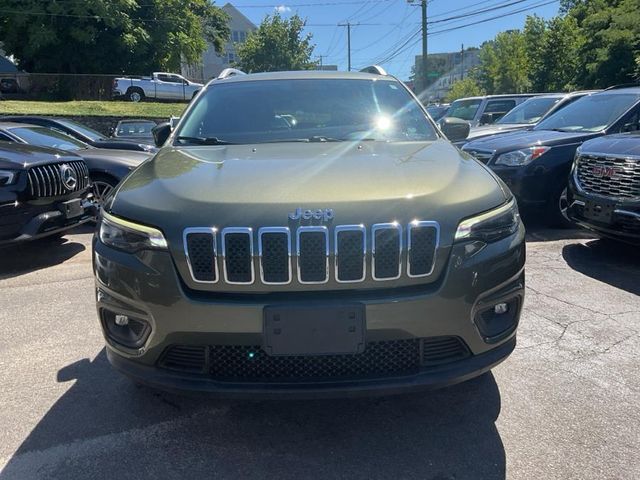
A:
(324, 214)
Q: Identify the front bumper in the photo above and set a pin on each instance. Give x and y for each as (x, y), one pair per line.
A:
(613, 218)
(147, 287)
(25, 222)
(533, 187)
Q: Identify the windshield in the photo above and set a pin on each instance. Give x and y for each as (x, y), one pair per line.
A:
(464, 109)
(590, 114)
(531, 111)
(46, 137)
(437, 111)
(83, 130)
(306, 110)
(135, 129)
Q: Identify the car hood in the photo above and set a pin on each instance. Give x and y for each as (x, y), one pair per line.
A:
(506, 142)
(20, 156)
(622, 144)
(128, 158)
(258, 185)
(487, 130)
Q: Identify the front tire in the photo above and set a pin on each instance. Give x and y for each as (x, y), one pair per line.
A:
(102, 187)
(557, 209)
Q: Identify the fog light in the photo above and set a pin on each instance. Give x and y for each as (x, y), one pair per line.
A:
(501, 308)
(121, 320)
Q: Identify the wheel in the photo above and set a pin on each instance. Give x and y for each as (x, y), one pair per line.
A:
(135, 95)
(102, 187)
(557, 209)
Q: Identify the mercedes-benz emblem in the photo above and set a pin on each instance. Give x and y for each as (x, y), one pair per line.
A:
(69, 176)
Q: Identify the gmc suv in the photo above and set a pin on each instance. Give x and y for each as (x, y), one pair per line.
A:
(308, 234)
(604, 187)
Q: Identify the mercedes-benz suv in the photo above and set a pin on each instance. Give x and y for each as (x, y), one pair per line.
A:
(308, 234)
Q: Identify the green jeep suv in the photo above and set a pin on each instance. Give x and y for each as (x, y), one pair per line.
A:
(308, 234)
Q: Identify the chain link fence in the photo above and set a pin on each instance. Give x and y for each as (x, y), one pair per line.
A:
(55, 86)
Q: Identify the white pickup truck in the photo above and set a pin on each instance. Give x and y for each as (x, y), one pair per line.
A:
(160, 85)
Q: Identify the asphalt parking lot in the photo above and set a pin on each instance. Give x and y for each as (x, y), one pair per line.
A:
(563, 406)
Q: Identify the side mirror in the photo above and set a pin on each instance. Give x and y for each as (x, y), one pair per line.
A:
(161, 132)
(455, 129)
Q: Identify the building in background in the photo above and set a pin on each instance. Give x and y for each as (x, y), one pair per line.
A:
(214, 62)
(444, 70)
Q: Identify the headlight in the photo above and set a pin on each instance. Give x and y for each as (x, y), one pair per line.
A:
(128, 236)
(490, 226)
(518, 158)
(7, 177)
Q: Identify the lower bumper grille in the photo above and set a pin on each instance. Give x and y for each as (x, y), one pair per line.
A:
(249, 363)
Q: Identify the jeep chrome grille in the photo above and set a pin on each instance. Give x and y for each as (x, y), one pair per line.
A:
(617, 177)
(232, 252)
(46, 180)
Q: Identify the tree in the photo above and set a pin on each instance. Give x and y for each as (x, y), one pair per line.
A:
(278, 44)
(109, 36)
(464, 88)
(504, 64)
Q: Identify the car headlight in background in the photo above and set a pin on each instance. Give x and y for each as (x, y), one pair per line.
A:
(490, 226)
(518, 158)
(128, 236)
(7, 177)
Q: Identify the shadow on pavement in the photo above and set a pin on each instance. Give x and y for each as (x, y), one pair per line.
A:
(28, 257)
(105, 427)
(614, 263)
(537, 231)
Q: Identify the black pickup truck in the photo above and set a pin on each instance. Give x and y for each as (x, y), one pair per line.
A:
(43, 191)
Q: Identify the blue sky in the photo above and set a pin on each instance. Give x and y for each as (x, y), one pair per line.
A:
(385, 24)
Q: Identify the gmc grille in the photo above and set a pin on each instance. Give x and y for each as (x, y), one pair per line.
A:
(250, 363)
(616, 177)
(232, 252)
(46, 180)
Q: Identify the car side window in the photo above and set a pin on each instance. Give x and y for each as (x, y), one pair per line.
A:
(499, 106)
(5, 138)
(631, 122)
(164, 78)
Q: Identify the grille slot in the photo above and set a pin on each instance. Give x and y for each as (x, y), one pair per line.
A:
(237, 250)
(250, 363)
(422, 244)
(46, 180)
(313, 254)
(442, 350)
(185, 358)
(386, 251)
(351, 249)
(201, 252)
(609, 176)
(275, 255)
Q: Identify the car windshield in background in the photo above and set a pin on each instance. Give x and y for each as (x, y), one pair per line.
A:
(46, 137)
(531, 111)
(82, 129)
(135, 129)
(590, 114)
(464, 109)
(305, 110)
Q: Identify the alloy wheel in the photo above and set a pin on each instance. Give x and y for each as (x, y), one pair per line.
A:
(101, 190)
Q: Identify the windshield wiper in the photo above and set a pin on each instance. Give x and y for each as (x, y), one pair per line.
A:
(205, 140)
(314, 139)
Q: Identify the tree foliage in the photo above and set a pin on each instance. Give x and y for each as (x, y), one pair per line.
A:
(503, 64)
(278, 44)
(464, 88)
(109, 36)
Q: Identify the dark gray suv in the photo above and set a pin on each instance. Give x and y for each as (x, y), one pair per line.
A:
(308, 234)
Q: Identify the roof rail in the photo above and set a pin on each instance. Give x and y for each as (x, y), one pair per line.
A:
(623, 85)
(229, 72)
(375, 69)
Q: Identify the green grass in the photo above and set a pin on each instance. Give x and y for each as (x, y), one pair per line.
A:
(98, 108)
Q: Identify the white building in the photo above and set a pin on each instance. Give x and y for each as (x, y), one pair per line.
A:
(214, 62)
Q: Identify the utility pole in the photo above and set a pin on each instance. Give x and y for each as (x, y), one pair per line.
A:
(348, 25)
(321, 57)
(425, 63)
(462, 62)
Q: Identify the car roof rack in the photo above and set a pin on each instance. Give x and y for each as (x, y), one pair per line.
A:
(375, 69)
(623, 85)
(229, 72)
